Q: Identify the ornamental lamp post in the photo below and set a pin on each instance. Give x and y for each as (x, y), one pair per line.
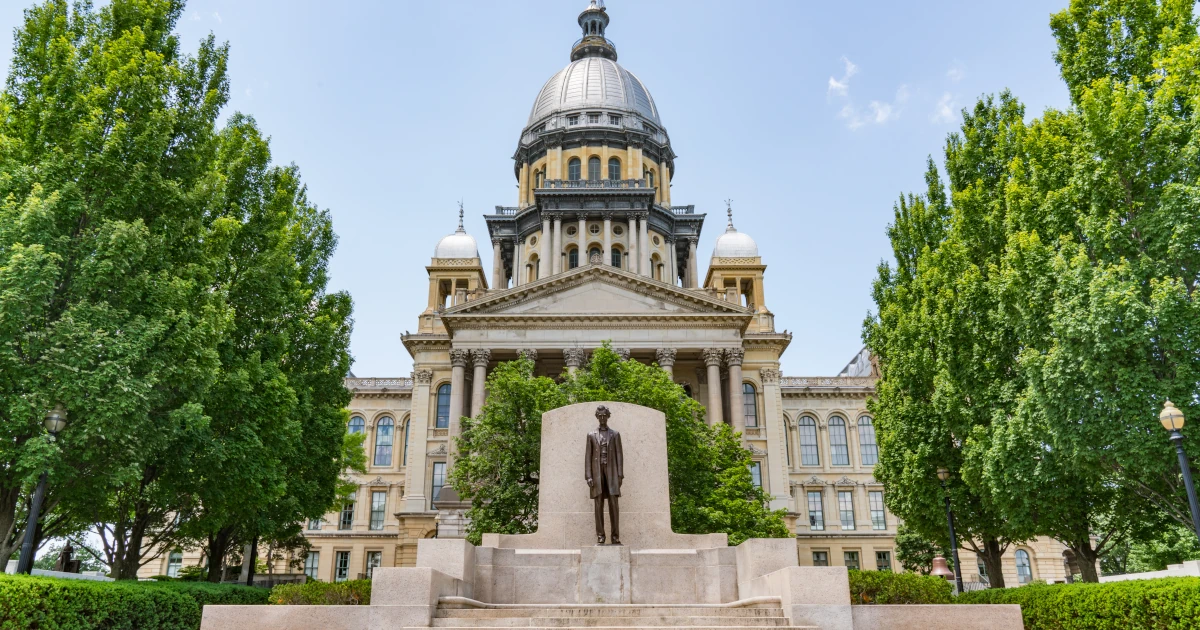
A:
(55, 421)
(1172, 420)
(944, 474)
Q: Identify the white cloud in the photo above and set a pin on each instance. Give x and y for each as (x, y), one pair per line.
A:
(902, 93)
(195, 17)
(841, 87)
(944, 111)
(217, 16)
(957, 71)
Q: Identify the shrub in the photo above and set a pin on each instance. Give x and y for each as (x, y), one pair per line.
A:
(40, 602)
(1168, 603)
(885, 587)
(353, 592)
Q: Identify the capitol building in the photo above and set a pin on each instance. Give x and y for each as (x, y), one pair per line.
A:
(595, 250)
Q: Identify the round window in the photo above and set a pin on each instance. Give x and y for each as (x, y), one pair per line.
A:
(618, 230)
(595, 229)
(571, 231)
(656, 241)
(533, 240)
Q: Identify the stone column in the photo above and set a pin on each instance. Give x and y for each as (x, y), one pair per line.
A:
(530, 354)
(634, 258)
(644, 246)
(414, 482)
(733, 358)
(518, 262)
(607, 239)
(574, 358)
(458, 383)
(672, 276)
(557, 246)
(693, 277)
(544, 268)
(582, 235)
(479, 359)
(712, 359)
(776, 431)
(498, 279)
(666, 360)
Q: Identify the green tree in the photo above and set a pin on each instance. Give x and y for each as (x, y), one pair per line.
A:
(915, 552)
(710, 484)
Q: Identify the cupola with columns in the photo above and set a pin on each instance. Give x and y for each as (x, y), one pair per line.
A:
(456, 275)
(736, 271)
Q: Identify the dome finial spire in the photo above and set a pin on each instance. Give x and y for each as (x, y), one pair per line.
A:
(460, 217)
(729, 212)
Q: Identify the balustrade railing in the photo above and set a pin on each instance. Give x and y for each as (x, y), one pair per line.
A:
(553, 184)
(378, 383)
(827, 381)
(683, 209)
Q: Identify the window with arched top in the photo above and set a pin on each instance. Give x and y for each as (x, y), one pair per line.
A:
(573, 258)
(614, 168)
(573, 169)
(617, 258)
(595, 255)
(356, 425)
(839, 446)
(810, 455)
(383, 442)
(750, 404)
(868, 449)
(650, 177)
(594, 169)
(443, 407)
(1024, 568)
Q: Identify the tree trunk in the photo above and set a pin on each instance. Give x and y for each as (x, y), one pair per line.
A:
(1085, 558)
(252, 558)
(218, 546)
(10, 530)
(993, 555)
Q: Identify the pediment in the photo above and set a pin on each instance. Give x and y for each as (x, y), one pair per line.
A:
(597, 290)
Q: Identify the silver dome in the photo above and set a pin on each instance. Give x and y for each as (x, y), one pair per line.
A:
(594, 82)
(734, 244)
(457, 245)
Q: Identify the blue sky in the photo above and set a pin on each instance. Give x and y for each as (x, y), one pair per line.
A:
(812, 117)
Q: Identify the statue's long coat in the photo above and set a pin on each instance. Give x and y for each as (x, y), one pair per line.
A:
(614, 471)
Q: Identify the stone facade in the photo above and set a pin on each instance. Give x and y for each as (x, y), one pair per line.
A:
(594, 252)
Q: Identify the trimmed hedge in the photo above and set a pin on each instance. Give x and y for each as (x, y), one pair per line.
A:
(885, 587)
(41, 602)
(1167, 603)
(352, 592)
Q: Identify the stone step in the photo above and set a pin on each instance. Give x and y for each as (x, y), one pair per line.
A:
(672, 621)
(608, 611)
(582, 627)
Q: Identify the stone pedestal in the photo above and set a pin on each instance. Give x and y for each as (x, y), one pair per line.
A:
(604, 575)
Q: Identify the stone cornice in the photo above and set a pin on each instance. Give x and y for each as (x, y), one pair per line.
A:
(771, 341)
(827, 386)
(535, 321)
(425, 341)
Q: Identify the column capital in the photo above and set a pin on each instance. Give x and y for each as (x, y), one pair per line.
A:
(480, 357)
(712, 356)
(623, 353)
(770, 376)
(665, 356)
(734, 356)
(528, 353)
(423, 377)
(458, 357)
(497, 241)
(574, 357)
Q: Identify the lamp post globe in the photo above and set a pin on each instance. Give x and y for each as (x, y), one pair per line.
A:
(1172, 420)
(943, 475)
(54, 422)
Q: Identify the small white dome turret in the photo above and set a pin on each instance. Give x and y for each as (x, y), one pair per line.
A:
(459, 244)
(734, 244)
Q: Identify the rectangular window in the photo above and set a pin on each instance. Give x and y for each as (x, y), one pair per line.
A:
(616, 258)
(341, 568)
(851, 559)
(572, 120)
(594, 118)
(346, 520)
(883, 560)
(878, 515)
(756, 474)
(820, 558)
(174, 563)
(982, 566)
(749, 405)
(312, 562)
(439, 480)
(846, 508)
(378, 503)
(374, 559)
(614, 120)
(315, 524)
(816, 511)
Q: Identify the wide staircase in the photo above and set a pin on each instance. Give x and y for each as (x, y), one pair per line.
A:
(763, 613)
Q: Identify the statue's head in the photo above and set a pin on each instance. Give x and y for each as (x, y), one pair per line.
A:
(602, 414)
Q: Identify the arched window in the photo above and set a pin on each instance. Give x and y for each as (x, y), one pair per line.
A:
(617, 258)
(1024, 569)
(810, 455)
(614, 168)
(750, 404)
(594, 254)
(443, 407)
(356, 425)
(383, 442)
(839, 448)
(404, 454)
(532, 267)
(573, 258)
(650, 178)
(593, 169)
(573, 169)
(538, 177)
(866, 442)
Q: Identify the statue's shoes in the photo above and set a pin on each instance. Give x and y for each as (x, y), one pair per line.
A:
(616, 541)
(600, 540)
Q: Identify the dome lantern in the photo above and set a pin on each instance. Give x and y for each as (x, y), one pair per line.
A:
(593, 21)
(734, 244)
(459, 244)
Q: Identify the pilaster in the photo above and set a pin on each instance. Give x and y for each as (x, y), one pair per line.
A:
(414, 483)
(776, 455)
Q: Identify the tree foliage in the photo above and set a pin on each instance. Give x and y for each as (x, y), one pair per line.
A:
(711, 488)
